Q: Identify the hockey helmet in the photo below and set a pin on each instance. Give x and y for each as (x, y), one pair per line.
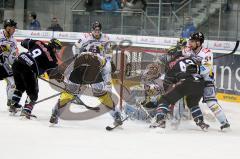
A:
(55, 43)
(198, 36)
(182, 42)
(10, 23)
(96, 24)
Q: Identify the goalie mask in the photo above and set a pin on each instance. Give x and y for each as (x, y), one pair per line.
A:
(153, 71)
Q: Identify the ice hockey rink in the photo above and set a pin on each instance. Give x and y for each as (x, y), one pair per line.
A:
(88, 139)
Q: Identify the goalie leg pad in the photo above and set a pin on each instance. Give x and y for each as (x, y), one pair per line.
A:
(178, 109)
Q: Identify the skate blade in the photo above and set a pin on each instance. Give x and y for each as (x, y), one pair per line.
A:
(25, 118)
(225, 130)
(156, 126)
(204, 129)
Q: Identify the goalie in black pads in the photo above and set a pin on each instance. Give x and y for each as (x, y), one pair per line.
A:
(28, 66)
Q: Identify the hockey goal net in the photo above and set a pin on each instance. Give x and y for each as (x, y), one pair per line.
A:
(130, 63)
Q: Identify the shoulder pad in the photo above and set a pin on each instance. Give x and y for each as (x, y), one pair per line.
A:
(87, 35)
(206, 50)
(106, 37)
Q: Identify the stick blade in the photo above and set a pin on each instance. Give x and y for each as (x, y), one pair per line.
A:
(108, 128)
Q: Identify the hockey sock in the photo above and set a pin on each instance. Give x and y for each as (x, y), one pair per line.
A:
(28, 107)
(16, 96)
(162, 111)
(196, 113)
(217, 111)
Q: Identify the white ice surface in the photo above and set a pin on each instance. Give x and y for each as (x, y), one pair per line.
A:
(34, 139)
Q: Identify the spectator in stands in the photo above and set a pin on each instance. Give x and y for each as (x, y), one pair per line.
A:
(34, 23)
(54, 25)
(109, 5)
(189, 28)
(88, 5)
(134, 4)
(92, 5)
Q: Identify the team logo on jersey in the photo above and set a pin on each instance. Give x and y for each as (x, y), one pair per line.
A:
(208, 92)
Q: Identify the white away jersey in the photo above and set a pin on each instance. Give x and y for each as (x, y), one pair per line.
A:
(205, 56)
(12, 43)
(89, 43)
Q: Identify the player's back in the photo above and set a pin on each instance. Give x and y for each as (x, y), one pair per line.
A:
(41, 56)
(181, 68)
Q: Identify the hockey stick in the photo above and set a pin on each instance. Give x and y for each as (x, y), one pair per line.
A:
(232, 52)
(44, 99)
(109, 128)
(145, 111)
(86, 106)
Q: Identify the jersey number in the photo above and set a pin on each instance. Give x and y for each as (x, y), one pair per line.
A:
(183, 64)
(35, 53)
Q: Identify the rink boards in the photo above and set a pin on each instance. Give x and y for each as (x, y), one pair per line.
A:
(227, 70)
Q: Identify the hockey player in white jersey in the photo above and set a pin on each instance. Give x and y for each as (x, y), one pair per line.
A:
(94, 50)
(205, 58)
(85, 70)
(97, 42)
(8, 53)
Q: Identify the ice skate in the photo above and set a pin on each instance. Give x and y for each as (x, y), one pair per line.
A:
(202, 125)
(27, 114)
(225, 126)
(159, 121)
(117, 119)
(54, 117)
(14, 108)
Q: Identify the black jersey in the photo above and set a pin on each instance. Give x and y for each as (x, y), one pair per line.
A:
(182, 68)
(40, 57)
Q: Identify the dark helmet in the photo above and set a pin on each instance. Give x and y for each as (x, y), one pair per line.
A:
(97, 24)
(55, 43)
(9, 22)
(198, 36)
